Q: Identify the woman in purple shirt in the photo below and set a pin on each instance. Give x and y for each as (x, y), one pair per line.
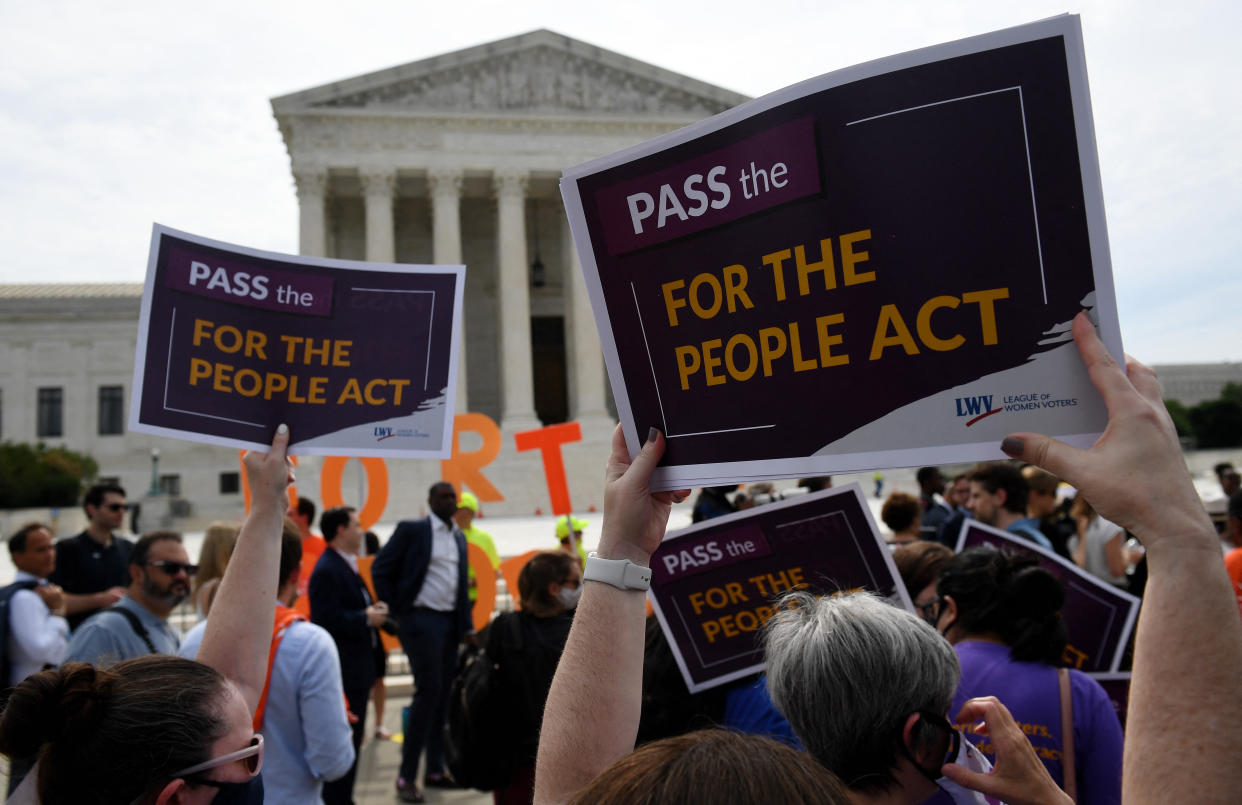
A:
(1002, 615)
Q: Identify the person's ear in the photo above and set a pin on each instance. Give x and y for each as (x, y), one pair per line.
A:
(948, 612)
(173, 793)
(553, 589)
(907, 735)
(917, 749)
(1001, 496)
(134, 573)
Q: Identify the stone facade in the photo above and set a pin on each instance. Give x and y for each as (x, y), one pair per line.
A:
(452, 159)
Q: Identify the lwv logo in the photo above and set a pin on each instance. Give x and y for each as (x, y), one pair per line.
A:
(976, 407)
(967, 406)
(383, 433)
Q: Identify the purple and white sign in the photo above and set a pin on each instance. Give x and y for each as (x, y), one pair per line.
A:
(359, 359)
(873, 268)
(1098, 616)
(714, 584)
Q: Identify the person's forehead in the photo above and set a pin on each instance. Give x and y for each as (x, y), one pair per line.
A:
(39, 539)
(113, 497)
(167, 549)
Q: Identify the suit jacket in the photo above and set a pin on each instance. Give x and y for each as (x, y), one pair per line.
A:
(338, 604)
(401, 567)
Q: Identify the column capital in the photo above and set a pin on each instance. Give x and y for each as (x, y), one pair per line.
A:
(380, 182)
(510, 183)
(311, 183)
(444, 182)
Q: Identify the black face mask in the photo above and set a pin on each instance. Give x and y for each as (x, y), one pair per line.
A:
(247, 793)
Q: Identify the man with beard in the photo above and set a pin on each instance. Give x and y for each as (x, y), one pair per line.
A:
(159, 579)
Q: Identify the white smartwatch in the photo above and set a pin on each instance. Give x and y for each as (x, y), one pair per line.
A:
(620, 573)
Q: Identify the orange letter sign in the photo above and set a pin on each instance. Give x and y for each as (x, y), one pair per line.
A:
(548, 441)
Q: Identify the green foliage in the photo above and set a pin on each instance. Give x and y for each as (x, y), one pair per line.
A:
(1218, 423)
(36, 475)
(1180, 415)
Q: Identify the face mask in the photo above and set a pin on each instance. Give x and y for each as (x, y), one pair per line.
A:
(973, 759)
(569, 598)
(247, 793)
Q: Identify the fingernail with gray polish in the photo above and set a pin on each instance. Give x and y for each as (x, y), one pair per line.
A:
(1012, 446)
(653, 434)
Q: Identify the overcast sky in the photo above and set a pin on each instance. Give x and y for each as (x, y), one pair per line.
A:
(117, 114)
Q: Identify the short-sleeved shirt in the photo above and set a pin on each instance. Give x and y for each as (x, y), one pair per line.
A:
(107, 637)
(84, 566)
(1032, 693)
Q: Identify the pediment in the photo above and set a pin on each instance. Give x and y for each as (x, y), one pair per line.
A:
(537, 73)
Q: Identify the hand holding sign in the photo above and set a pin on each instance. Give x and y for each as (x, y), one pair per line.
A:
(1134, 474)
(634, 517)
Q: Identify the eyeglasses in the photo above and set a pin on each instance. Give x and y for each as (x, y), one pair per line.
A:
(930, 611)
(116, 507)
(252, 757)
(173, 568)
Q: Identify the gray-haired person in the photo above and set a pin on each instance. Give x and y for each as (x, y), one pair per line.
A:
(867, 688)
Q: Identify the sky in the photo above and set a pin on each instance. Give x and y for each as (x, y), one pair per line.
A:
(114, 115)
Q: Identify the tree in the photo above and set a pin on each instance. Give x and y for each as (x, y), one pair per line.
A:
(36, 475)
(1218, 423)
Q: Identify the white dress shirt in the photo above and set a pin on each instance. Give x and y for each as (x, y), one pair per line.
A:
(36, 636)
(439, 590)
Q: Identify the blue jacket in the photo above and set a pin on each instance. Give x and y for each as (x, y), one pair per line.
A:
(401, 566)
(339, 605)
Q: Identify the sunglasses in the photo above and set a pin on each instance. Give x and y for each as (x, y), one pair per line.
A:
(116, 507)
(173, 568)
(251, 757)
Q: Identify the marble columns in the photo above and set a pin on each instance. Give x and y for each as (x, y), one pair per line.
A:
(377, 191)
(312, 188)
(517, 383)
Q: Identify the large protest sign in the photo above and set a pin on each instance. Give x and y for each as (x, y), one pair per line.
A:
(1098, 616)
(714, 584)
(873, 268)
(358, 359)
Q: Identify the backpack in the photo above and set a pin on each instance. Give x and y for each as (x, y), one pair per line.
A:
(476, 749)
(6, 668)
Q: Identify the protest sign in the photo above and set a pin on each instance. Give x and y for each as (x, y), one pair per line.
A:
(1098, 616)
(1117, 686)
(358, 359)
(873, 268)
(714, 584)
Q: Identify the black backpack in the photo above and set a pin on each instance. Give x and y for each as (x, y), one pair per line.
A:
(6, 668)
(477, 750)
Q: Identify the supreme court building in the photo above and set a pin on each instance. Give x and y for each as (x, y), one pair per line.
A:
(452, 159)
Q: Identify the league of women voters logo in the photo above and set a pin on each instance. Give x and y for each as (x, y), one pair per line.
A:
(981, 407)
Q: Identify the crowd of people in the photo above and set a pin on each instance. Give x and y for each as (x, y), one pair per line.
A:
(862, 701)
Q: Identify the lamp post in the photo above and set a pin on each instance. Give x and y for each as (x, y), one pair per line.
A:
(155, 472)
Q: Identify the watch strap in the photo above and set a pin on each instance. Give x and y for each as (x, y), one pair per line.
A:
(620, 573)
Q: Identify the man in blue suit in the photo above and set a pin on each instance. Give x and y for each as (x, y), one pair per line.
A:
(422, 571)
(340, 603)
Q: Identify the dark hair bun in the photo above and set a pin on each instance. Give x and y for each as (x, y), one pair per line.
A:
(1010, 595)
(53, 705)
